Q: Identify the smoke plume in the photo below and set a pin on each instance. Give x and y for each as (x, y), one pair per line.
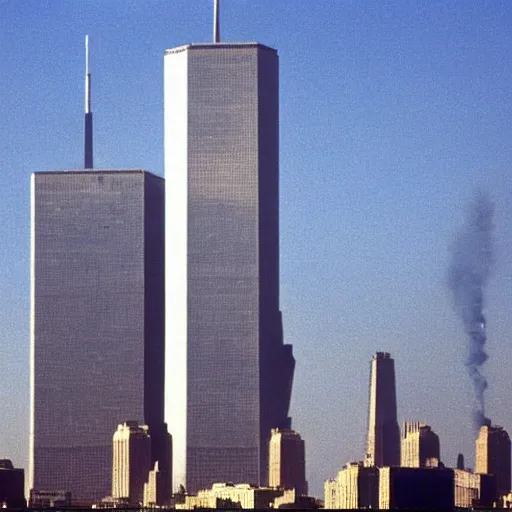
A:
(468, 273)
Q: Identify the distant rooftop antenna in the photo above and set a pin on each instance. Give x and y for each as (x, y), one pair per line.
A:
(88, 112)
(216, 22)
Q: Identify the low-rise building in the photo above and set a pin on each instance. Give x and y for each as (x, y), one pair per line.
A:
(355, 486)
(109, 502)
(416, 488)
(466, 488)
(291, 499)
(474, 489)
(49, 499)
(156, 489)
(506, 501)
(12, 485)
(228, 495)
(358, 486)
(330, 498)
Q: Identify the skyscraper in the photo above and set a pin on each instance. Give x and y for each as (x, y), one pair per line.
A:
(131, 461)
(287, 461)
(419, 446)
(357, 487)
(493, 456)
(157, 490)
(229, 375)
(97, 321)
(383, 441)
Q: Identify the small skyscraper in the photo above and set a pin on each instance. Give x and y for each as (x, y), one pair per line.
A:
(493, 456)
(419, 446)
(131, 462)
(357, 486)
(383, 440)
(97, 322)
(229, 375)
(287, 461)
(157, 490)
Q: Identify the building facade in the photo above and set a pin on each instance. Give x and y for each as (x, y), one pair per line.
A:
(357, 486)
(229, 495)
(12, 485)
(474, 489)
(493, 456)
(292, 500)
(506, 501)
(419, 446)
(330, 494)
(131, 461)
(49, 499)
(383, 439)
(416, 488)
(97, 322)
(287, 461)
(157, 490)
(229, 373)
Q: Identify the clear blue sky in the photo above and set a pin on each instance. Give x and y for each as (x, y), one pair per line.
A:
(392, 112)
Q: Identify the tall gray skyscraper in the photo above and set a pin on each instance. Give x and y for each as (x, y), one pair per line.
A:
(97, 322)
(229, 375)
(383, 441)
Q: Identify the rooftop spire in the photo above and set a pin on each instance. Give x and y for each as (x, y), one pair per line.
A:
(87, 78)
(216, 22)
(88, 113)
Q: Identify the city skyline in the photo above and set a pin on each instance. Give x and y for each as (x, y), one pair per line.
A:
(375, 174)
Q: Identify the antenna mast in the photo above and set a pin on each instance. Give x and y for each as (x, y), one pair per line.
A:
(88, 113)
(216, 22)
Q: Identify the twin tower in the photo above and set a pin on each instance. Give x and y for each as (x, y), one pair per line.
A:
(191, 337)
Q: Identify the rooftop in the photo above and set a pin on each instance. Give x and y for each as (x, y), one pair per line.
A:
(213, 46)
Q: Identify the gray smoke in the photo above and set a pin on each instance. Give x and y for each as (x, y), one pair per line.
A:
(467, 278)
